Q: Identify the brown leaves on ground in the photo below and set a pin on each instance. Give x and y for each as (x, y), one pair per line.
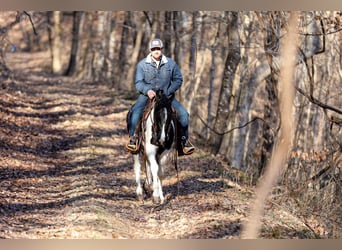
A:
(64, 174)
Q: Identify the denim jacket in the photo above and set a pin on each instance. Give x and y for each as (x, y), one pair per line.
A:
(167, 76)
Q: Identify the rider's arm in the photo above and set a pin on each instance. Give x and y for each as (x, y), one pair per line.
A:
(140, 83)
(176, 80)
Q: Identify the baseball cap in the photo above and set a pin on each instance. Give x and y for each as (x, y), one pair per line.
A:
(156, 43)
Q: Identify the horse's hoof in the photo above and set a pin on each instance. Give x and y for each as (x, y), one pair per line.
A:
(156, 200)
(147, 189)
(140, 198)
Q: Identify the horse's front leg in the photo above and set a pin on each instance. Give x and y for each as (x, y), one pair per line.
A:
(157, 195)
(137, 171)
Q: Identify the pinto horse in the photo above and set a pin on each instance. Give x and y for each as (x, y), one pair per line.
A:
(158, 145)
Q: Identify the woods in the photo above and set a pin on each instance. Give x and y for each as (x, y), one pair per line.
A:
(230, 62)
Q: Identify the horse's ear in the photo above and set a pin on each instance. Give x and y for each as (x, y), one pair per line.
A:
(170, 97)
(159, 92)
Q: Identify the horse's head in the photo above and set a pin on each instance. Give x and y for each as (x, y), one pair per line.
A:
(162, 120)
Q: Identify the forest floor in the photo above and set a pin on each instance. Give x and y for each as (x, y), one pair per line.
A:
(64, 172)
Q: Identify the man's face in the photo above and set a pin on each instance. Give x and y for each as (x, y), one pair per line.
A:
(156, 53)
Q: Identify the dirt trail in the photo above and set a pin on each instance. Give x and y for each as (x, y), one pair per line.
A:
(64, 173)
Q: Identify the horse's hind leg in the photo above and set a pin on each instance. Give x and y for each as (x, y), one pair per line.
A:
(137, 171)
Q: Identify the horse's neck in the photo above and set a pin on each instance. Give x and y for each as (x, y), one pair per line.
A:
(150, 118)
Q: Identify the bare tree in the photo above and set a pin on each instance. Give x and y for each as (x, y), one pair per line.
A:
(4, 70)
(197, 61)
(55, 33)
(74, 60)
(279, 156)
(232, 61)
(101, 41)
(140, 22)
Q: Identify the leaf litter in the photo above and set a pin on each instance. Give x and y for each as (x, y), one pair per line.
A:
(64, 174)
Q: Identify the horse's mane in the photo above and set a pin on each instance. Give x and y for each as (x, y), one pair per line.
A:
(162, 100)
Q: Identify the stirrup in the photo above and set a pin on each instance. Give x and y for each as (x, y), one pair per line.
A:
(188, 148)
(132, 145)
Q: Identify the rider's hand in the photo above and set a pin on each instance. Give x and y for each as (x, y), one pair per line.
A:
(151, 94)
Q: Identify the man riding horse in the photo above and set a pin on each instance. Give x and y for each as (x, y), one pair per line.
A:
(154, 72)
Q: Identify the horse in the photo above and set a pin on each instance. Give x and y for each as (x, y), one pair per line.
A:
(157, 146)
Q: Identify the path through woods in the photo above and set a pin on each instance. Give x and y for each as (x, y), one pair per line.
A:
(64, 172)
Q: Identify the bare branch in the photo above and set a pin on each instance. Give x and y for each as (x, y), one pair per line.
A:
(232, 129)
(310, 95)
(148, 18)
(318, 102)
(34, 29)
(17, 20)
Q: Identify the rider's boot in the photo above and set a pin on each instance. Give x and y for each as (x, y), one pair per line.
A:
(132, 145)
(187, 147)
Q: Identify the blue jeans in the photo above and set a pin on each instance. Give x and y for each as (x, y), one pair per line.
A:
(138, 108)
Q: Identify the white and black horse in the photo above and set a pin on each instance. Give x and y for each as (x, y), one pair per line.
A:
(158, 145)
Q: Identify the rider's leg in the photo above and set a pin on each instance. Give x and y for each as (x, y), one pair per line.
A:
(137, 111)
(183, 119)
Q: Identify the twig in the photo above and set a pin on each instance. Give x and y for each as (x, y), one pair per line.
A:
(34, 29)
(148, 18)
(230, 130)
(317, 102)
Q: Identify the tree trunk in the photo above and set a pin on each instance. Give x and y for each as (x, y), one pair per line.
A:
(75, 41)
(123, 56)
(167, 33)
(177, 51)
(176, 43)
(110, 76)
(56, 42)
(101, 38)
(197, 61)
(83, 69)
(213, 48)
(154, 24)
(193, 45)
(140, 24)
(231, 64)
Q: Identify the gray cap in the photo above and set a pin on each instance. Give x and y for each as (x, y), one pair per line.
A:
(156, 43)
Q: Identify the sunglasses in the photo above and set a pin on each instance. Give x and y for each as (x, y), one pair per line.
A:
(153, 49)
